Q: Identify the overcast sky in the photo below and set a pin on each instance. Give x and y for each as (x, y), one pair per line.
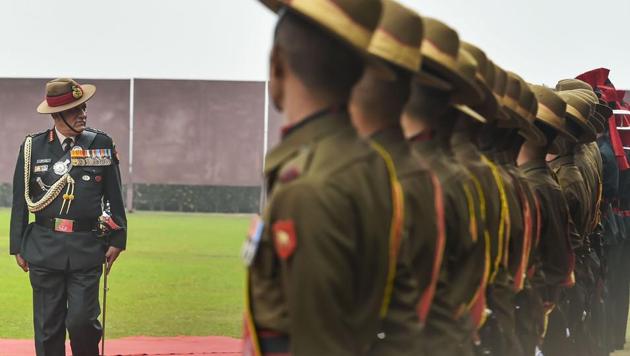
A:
(542, 40)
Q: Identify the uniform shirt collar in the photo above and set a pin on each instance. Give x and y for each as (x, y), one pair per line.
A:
(62, 137)
(535, 164)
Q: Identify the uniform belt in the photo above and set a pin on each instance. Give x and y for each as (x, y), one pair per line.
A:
(273, 343)
(79, 225)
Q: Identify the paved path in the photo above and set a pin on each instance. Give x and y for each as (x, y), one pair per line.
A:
(161, 346)
(149, 346)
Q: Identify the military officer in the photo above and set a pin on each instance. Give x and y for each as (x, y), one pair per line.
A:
(376, 106)
(65, 176)
(322, 260)
(428, 120)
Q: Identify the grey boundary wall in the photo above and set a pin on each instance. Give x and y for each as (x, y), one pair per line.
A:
(197, 146)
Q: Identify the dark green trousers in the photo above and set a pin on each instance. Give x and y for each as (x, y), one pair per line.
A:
(66, 300)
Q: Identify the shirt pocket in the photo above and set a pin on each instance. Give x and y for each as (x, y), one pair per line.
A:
(92, 174)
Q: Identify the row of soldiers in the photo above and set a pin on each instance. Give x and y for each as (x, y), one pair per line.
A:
(423, 200)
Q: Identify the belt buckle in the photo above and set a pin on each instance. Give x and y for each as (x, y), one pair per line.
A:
(64, 225)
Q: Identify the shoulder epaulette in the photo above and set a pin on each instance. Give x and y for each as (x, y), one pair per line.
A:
(33, 135)
(97, 131)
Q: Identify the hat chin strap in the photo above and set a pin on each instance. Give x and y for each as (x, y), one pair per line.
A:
(63, 118)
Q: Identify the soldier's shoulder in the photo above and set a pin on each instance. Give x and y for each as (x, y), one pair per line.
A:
(339, 152)
(102, 137)
(40, 136)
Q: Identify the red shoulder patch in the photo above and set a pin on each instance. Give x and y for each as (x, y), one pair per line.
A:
(284, 238)
(289, 175)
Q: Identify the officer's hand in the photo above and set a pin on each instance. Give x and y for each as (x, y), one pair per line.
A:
(21, 262)
(111, 256)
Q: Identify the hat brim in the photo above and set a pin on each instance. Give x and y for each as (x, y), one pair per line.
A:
(588, 131)
(532, 134)
(561, 130)
(88, 92)
(598, 122)
(527, 129)
(329, 17)
(466, 110)
(432, 81)
(489, 107)
(465, 91)
(604, 110)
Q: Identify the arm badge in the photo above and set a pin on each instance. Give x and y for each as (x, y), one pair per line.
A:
(284, 238)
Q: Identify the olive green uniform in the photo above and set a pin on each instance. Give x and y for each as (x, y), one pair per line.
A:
(529, 311)
(555, 245)
(318, 281)
(449, 330)
(500, 327)
(424, 244)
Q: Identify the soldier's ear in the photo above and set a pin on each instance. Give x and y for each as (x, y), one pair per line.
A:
(277, 76)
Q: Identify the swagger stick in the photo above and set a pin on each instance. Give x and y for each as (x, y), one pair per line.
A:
(105, 288)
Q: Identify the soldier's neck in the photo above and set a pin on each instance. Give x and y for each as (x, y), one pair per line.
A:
(65, 132)
(300, 103)
(531, 152)
(368, 125)
(413, 126)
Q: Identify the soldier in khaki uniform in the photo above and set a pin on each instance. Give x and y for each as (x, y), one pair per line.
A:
(517, 110)
(557, 231)
(529, 277)
(578, 199)
(562, 161)
(428, 121)
(376, 106)
(501, 205)
(588, 159)
(498, 335)
(322, 262)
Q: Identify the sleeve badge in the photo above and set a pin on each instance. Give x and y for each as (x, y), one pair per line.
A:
(284, 238)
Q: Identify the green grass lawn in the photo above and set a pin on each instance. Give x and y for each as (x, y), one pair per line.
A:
(181, 275)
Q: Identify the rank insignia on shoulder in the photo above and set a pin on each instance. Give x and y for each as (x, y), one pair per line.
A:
(288, 175)
(284, 238)
(96, 157)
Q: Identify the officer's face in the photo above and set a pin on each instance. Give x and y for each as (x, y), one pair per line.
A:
(75, 117)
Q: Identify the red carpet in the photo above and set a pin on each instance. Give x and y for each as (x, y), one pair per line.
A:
(142, 345)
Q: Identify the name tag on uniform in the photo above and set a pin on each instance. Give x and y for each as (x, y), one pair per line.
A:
(43, 160)
(250, 247)
(41, 168)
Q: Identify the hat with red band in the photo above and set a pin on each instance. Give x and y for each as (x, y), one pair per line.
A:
(64, 94)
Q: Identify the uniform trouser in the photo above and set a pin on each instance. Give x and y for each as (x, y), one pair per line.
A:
(613, 282)
(66, 300)
(557, 340)
(529, 319)
(501, 302)
(621, 296)
(446, 336)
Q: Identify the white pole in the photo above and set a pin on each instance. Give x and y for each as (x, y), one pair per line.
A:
(130, 176)
(265, 146)
(266, 137)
